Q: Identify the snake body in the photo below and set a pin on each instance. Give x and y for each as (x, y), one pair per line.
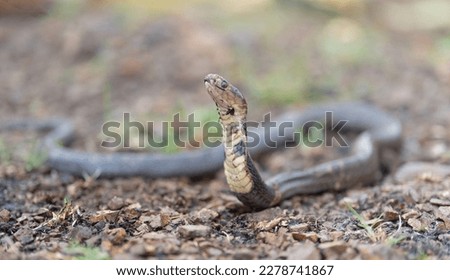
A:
(378, 131)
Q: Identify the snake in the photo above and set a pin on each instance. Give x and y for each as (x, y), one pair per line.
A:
(377, 131)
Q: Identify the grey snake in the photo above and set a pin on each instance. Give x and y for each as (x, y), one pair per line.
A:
(377, 130)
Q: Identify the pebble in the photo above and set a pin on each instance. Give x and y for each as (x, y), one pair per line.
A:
(443, 213)
(81, 233)
(324, 236)
(348, 201)
(303, 251)
(390, 215)
(299, 227)
(155, 222)
(165, 219)
(5, 215)
(300, 236)
(333, 250)
(416, 224)
(378, 252)
(268, 238)
(444, 237)
(264, 225)
(205, 215)
(410, 214)
(116, 203)
(26, 239)
(117, 235)
(214, 252)
(193, 231)
(440, 202)
(104, 215)
(335, 235)
(243, 254)
(142, 249)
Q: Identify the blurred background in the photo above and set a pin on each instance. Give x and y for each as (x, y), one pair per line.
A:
(93, 60)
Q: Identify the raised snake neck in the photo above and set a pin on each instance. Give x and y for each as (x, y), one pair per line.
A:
(244, 179)
(378, 131)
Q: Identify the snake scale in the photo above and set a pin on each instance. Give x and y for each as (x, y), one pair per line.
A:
(377, 130)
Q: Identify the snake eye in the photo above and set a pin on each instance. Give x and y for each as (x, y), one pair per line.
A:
(224, 84)
(230, 111)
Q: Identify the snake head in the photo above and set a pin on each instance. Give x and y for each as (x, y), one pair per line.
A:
(229, 100)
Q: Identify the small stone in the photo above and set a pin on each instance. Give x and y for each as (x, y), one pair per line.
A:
(24, 236)
(390, 215)
(244, 254)
(214, 252)
(193, 231)
(93, 241)
(378, 252)
(117, 235)
(416, 224)
(104, 215)
(410, 214)
(5, 215)
(165, 219)
(137, 249)
(81, 233)
(268, 238)
(264, 225)
(303, 251)
(333, 250)
(335, 235)
(444, 237)
(26, 239)
(443, 213)
(205, 215)
(154, 236)
(440, 202)
(324, 236)
(155, 222)
(300, 236)
(142, 249)
(116, 203)
(349, 201)
(299, 227)
(143, 228)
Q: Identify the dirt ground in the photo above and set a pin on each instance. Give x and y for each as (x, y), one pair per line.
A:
(92, 64)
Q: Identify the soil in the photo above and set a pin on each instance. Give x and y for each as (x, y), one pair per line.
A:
(90, 67)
